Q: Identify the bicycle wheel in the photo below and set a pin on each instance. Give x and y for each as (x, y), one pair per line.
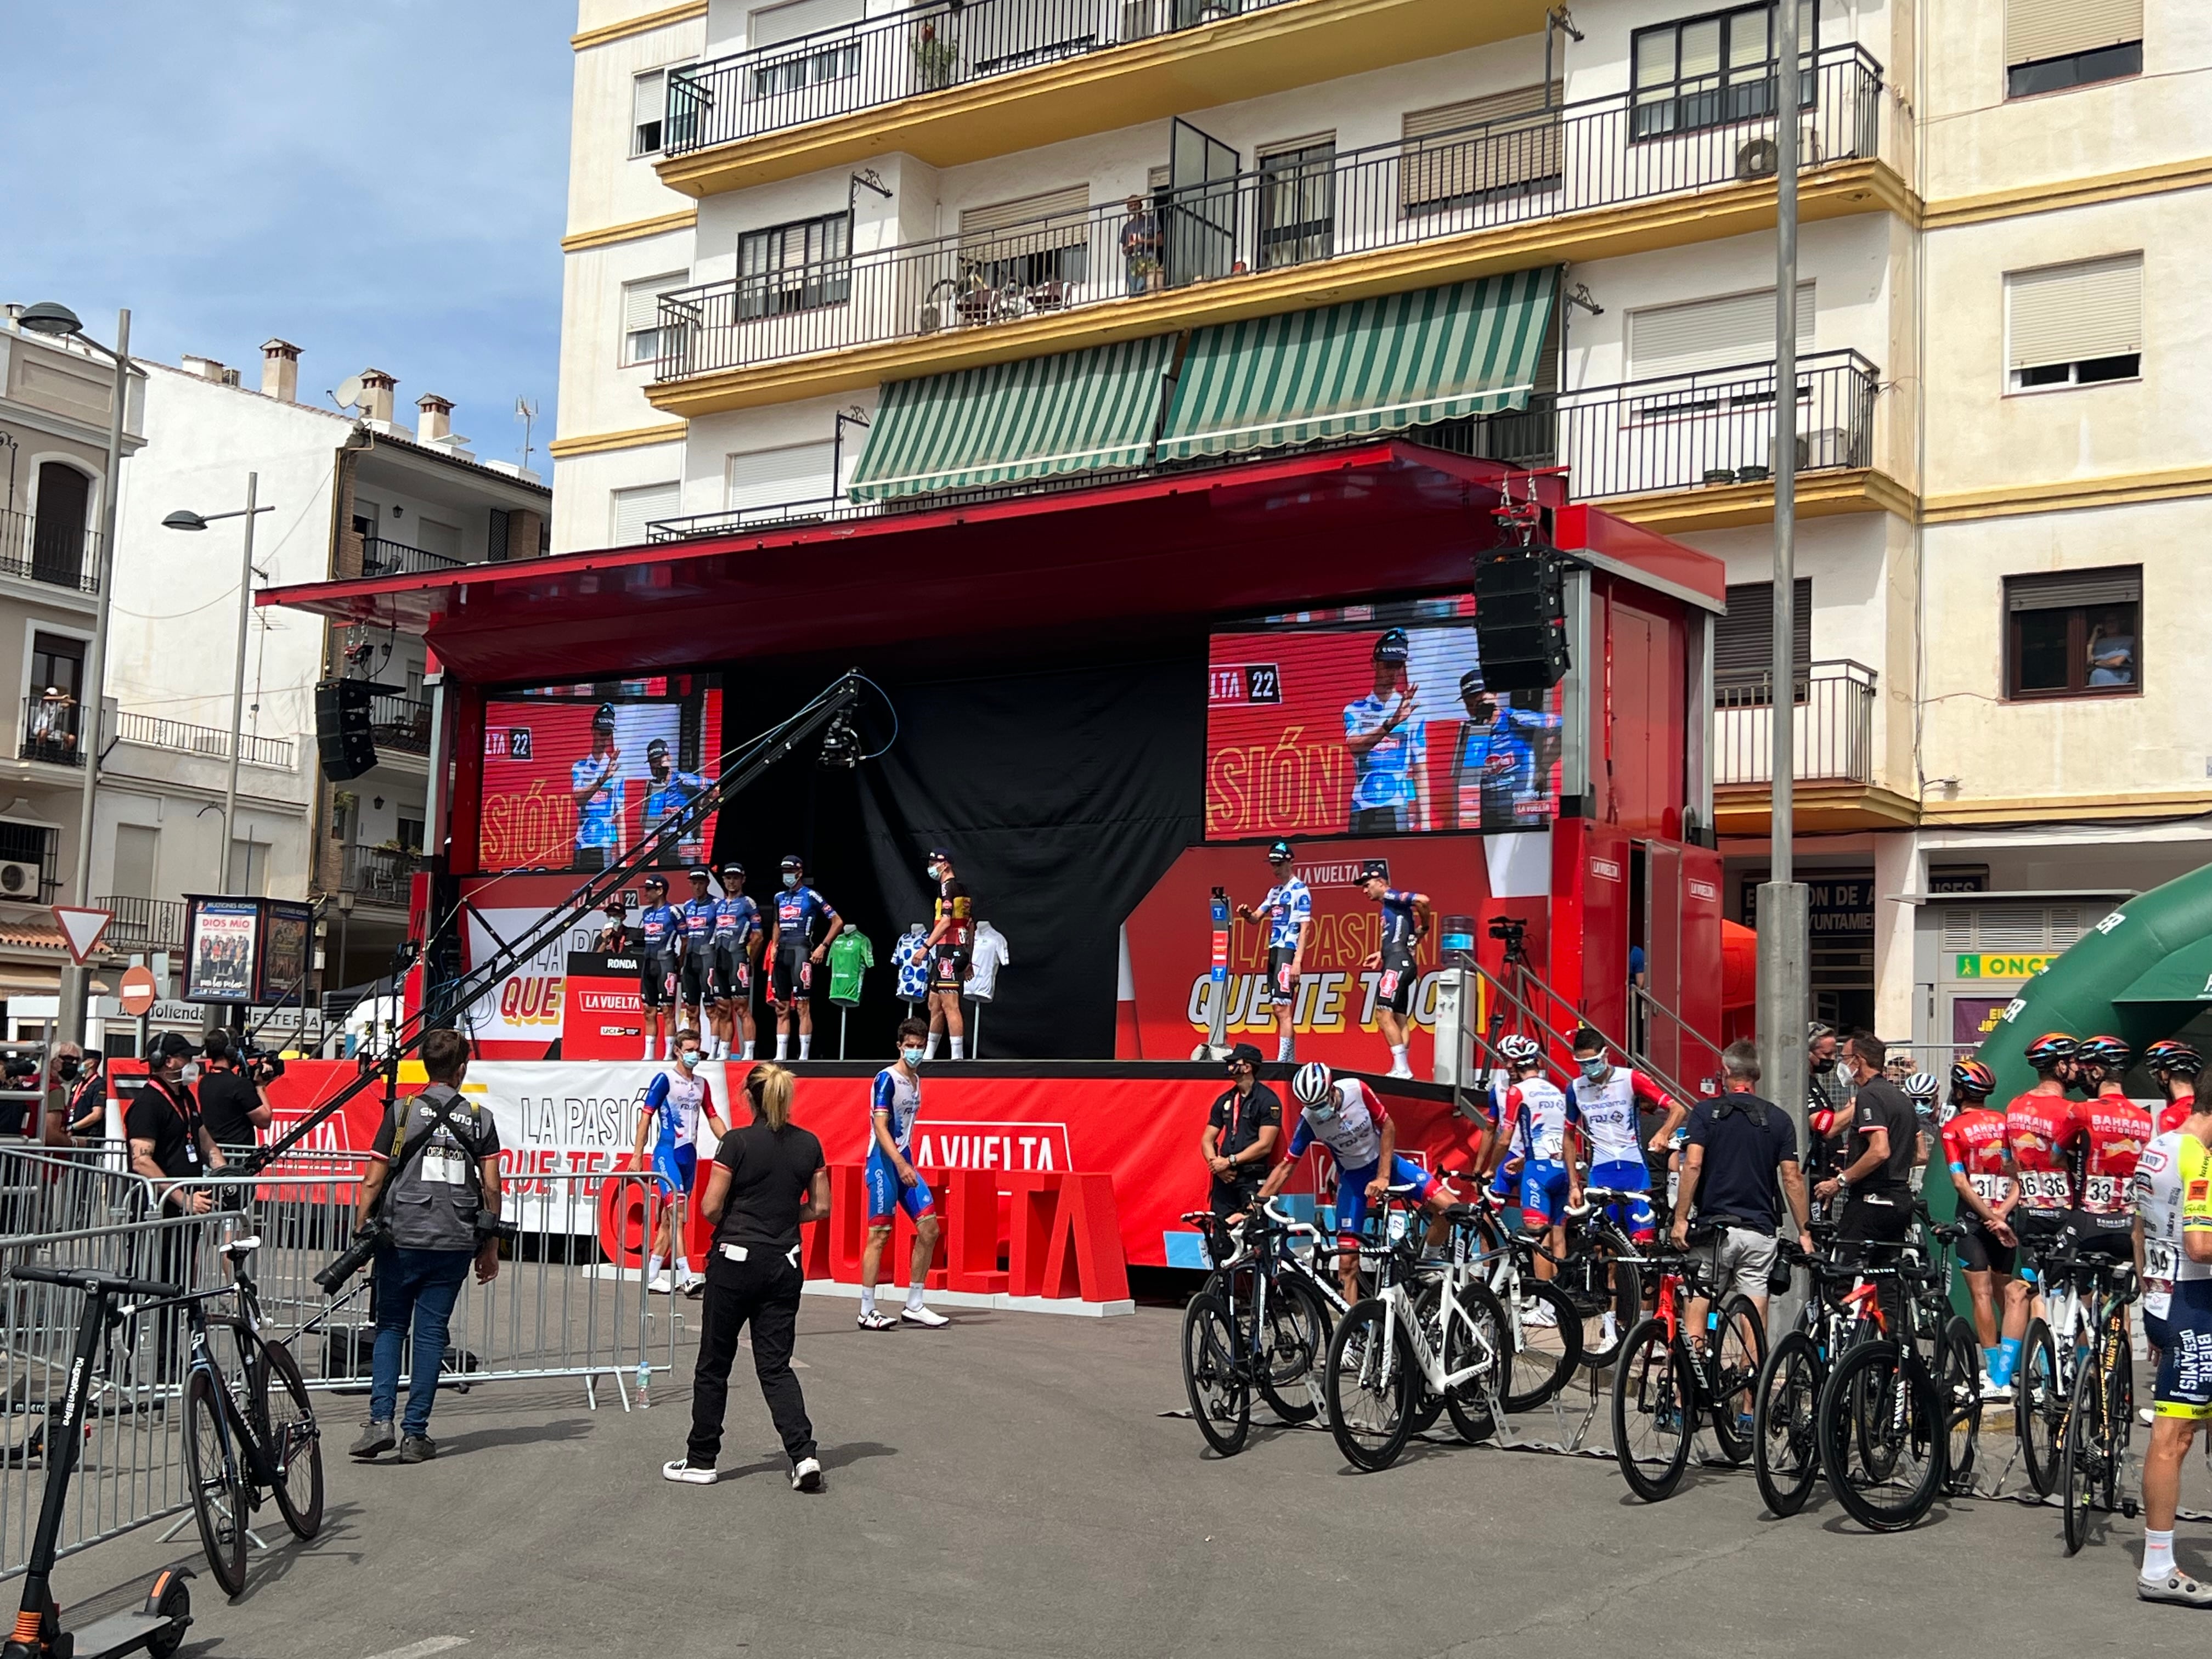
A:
(2040, 1408)
(1654, 1402)
(1369, 1384)
(1296, 1340)
(1785, 1453)
(1545, 1349)
(286, 1423)
(1736, 1367)
(1882, 1436)
(1608, 1294)
(218, 1484)
(1220, 1399)
(1959, 1380)
(1428, 1405)
(2080, 1455)
(1480, 1330)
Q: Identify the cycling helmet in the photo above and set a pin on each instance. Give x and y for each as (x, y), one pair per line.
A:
(1392, 647)
(2107, 1052)
(1280, 853)
(1921, 1086)
(2049, 1049)
(2173, 1058)
(1972, 1077)
(1520, 1050)
(1313, 1083)
(604, 719)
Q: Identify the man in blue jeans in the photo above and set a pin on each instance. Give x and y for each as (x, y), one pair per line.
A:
(433, 1171)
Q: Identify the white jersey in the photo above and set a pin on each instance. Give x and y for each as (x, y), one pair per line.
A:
(2157, 1189)
(1606, 1111)
(898, 1097)
(677, 1101)
(1354, 1135)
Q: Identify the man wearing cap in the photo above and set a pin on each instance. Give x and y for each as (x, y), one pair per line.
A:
(950, 946)
(1239, 1139)
(659, 936)
(1494, 776)
(695, 973)
(667, 793)
(800, 910)
(1288, 912)
(599, 795)
(1390, 747)
(737, 944)
(1407, 919)
(170, 1143)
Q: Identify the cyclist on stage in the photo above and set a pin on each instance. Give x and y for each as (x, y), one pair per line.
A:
(737, 943)
(695, 976)
(1407, 919)
(1603, 1104)
(1288, 912)
(2109, 1132)
(1344, 1115)
(670, 1121)
(800, 910)
(1534, 1118)
(659, 936)
(894, 1184)
(2183, 1393)
(2175, 1068)
(1980, 1163)
(950, 947)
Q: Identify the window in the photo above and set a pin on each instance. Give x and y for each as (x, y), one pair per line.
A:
(1457, 154)
(648, 111)
(814, 59)
(2074, 634)
(26, 862)
(495, 537)
(2075, 324)
(800, 266)
(2054, 45)
(642, 337)
(762, 478)
(1030, 243)
(1712, 71)
(409, 836)
(1735, 331)
(633, 509)
(137, 857)
(1298, 201)
(50, 711)
(1743, 644)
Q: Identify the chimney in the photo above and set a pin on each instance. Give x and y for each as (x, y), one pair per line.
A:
(378, 387)
(280, 371)
(206, 367)
(437, 422)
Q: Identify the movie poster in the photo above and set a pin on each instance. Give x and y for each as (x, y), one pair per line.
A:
(284, 953)
(219, 963)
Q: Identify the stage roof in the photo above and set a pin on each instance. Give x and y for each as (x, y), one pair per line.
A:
(1318, 528)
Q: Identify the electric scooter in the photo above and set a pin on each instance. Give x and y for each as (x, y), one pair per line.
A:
(159, 1626)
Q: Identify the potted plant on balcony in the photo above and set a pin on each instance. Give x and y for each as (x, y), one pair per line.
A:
(936, 60)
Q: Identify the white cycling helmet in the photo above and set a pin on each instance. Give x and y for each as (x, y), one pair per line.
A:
(1921, 1086)
(1520, 1050)
(1313, 1083)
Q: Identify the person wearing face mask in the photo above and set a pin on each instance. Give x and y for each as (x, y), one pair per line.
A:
(1604, 1103)
(950, 945)
(233, 1105)
(88, 1096)
(171, 1147)
(670, 1121)
(737, 941)
(799, 911)
(1874, 1186)
(894, 1184)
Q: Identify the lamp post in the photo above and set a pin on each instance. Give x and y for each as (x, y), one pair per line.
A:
(183, 519)
(59, 322)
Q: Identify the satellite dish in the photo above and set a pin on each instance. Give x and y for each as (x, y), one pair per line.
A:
(349, 393)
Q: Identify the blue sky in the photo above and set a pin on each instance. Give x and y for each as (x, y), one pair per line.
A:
(381, 184)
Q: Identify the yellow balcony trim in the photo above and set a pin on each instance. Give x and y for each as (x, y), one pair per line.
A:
(1245, 57)
(607, 236)
(2072, 495)
(2068, 809)
(644, 25)
(1597, 234)
(1817, 808)
(599, 443)
(2135, 182)
(1730, 507)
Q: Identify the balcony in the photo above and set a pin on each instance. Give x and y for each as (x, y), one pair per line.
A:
(63, 554)
(145, 924)
(379, 875)
(155, 733)
(1832, 726)
(50, 732)
(954, 81)
(1587, 180)
(379, 557)
(400, 723)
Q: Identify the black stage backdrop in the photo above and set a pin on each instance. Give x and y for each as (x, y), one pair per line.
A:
(1063, 793)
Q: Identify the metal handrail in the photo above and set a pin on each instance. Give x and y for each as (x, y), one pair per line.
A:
(379, 557)
(150, 923)
(1831, 707)
(60, 554)
(1511, 170)
(155, 731)
(51, 727)
(1564, 1040)
(400, 722)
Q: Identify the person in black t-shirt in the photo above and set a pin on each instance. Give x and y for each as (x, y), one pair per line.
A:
(1739, 1154)
(232, 1104)
(167, 1137)
(1238, 1142)
(768, 1179)
(1874, 1188)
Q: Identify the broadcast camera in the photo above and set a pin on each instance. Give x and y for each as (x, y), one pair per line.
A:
(263, 1065)
(1511, 932)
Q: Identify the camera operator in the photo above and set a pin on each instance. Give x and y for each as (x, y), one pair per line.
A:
(234, 1104)
(433, 1178)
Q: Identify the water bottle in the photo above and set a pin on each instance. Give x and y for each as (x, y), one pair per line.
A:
(644, 1376)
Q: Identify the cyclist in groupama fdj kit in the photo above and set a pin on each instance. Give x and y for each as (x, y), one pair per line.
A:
(669, 1127)
(1603, 1105)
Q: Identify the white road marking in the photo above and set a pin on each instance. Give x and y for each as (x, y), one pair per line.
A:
(425, 1648)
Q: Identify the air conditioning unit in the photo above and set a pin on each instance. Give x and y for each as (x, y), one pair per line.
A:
(1827, 446)
(1757, 158)
(19, 881)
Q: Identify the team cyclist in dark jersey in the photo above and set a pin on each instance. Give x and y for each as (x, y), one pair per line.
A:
(801, 946)
(695, 962)
(737, 950)
(1407, 919)
(659, 936)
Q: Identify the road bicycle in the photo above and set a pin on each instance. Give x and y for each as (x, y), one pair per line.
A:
(2050, 1356)
(2100, 1410)
(1427, 1337)
(1543, 1321)
(1661, 1386)
(1785, 1435)
(246, 1434)
(1258, 1323)
(1599, 1272)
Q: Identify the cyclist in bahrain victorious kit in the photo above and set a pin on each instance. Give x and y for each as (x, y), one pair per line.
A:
(670, 1121)
(1980, 1164)
(1288, 912)
(894, 1184)
(1407, 919)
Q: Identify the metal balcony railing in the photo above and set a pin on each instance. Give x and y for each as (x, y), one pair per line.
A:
(379, 874)
(907, 54)
(156, 733)
(145, 924)
(379, 557)
(1832, 726)
(51, 728)
(401, 723)
(1579, 157)
(62, 553)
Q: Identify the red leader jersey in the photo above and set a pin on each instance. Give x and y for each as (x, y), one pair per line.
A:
(2117, 1131)
(1974, 1145)
(2038, 1126)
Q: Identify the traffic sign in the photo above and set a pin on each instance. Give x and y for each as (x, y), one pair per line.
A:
(82, 928)
(137, 992)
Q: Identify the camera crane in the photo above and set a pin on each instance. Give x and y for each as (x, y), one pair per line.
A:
(830, 713)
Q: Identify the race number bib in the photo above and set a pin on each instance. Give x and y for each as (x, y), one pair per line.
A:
(1390, 976)
(1991, 1188)
(2101, 1193)
(2160, 1260)
(2043, 1189)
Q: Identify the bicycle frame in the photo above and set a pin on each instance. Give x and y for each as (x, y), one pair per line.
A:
(1396, 1296)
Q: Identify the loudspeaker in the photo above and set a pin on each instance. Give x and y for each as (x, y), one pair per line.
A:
(342, 731)
(1520, 620)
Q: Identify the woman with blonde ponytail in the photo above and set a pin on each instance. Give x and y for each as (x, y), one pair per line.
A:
(768, 1179)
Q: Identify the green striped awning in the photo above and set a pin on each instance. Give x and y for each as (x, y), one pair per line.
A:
(1081, 411)
(1376, 365)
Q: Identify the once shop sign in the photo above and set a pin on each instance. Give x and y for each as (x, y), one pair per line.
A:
(2001, 964)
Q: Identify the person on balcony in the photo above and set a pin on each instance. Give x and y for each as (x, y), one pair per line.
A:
(1140, 246)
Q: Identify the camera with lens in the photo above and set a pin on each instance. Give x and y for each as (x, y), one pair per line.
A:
(490, 1226)
(263, 1065)
(374, 1234)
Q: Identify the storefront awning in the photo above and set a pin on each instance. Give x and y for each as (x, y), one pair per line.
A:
(1080, 411)
(1375, 365)
(2184, 976)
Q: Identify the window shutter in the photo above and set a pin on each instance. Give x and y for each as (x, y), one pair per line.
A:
(1743, 639)
(1443, 162)
(1028, 224)
(641, 300)
(2064, 590)
(1709, 334)
(770, 477)
(2072, 314)
(633, 509)
(2037, 29)
(772, 26)
(649, 98)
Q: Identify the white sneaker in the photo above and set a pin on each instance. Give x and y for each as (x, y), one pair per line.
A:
(1540, 1313)
(2148, 1416)
(662, 1286)
(806, 1474)
(681, 1469)
(928, 1316)
(874, 1319)
(1994, 1390)
(692, 1283)
(1400, 1071)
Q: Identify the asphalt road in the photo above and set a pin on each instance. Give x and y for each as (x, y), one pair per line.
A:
(1009, 1486)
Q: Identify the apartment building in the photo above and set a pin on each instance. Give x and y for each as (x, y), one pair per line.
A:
(348, 490)
(828, 257)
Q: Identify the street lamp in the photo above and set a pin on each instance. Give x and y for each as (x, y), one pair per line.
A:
(59, 322)
(183, 519)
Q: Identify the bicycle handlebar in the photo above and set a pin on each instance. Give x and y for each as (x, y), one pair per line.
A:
(97, 1283)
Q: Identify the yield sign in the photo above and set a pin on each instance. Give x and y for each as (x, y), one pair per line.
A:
(82, 928)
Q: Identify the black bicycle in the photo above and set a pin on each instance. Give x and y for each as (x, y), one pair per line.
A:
(1261, 1323)
(2093, 1440)
(1667, 1377)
